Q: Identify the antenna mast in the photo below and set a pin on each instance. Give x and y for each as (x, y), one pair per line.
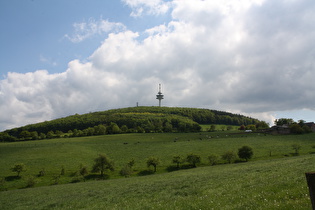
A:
(159, 96)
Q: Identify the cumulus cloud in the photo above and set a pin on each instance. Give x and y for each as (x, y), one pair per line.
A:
(88, 29)
(250, 57)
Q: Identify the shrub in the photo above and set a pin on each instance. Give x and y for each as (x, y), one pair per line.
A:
(245, 152)
(177, 160)
(30, 181)
(193, 159)
(229, 156)
(62, 172)
(213, 159)
(42, 173)
(83, 171)
(126, 171)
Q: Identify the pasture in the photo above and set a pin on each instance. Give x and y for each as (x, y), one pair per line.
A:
(272, 179)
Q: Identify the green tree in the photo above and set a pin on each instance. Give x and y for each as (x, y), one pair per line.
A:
(18, 168)
(177, 160)
(126, 171)
(113, 128)
(30, 181)
(296, 128)
(124, 128)
(193, 159)
(229, 156)
(25, 135)
(284, 121)
(131, 163)
(83, 171)
(153, 161)
(245, 152)
(102, 163)
(213, 159)
(34, 135)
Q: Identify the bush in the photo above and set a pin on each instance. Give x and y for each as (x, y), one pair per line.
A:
(42, 173)
(245, 152)
(30, 181)
(177, 160)
(126, 171)
(193, 159)
(229, 156)
(213, 159)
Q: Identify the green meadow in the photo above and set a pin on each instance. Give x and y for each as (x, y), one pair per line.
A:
(273, 179)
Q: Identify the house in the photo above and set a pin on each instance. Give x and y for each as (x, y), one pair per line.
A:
(279, 129)
(311, 125)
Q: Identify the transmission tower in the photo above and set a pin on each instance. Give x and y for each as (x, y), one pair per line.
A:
(159, 96)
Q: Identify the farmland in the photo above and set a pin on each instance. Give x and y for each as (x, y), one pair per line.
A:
(273, 178)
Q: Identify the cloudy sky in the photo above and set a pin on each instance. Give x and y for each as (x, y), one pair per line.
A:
(253, 57)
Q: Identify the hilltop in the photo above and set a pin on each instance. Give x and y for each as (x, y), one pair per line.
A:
(128, 120)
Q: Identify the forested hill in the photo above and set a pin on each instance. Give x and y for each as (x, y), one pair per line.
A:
(133, 119)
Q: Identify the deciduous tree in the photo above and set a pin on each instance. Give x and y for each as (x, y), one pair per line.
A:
(229, 156)
(102, 163)
(18, 168)
(245, 152)
(153, 161)
(193, 159)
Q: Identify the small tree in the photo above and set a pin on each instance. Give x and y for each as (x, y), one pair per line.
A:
(30, 181)
(193, 159)
(177, 160)
(245, 152)
(18, 168)
(296, 148)
(102, 163)
(153, 161)
(213, 159)
(126, 171)
(131, 163)
(62, 172)
(83, 171)
(229, 156)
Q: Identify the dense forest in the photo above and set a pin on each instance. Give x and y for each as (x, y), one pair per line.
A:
(127, 120)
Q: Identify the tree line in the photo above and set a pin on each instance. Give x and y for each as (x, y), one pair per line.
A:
(133, 119)
(103, 164)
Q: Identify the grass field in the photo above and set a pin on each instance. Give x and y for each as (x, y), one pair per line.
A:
(266, 182)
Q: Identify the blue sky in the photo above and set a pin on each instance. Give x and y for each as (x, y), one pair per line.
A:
(253, 57)
(34, 31)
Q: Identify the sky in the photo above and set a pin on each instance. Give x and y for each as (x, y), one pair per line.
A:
(251, 57)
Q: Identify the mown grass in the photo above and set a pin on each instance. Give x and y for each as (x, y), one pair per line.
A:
(70, 153)
(263, 184)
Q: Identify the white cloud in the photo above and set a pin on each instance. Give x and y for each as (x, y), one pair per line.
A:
(250, 57)
(147, 7)
(88, 29)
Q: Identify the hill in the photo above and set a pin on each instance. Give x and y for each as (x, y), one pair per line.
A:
(127, 120)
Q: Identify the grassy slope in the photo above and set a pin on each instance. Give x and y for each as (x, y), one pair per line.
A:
(265, 184)
(247, 185)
